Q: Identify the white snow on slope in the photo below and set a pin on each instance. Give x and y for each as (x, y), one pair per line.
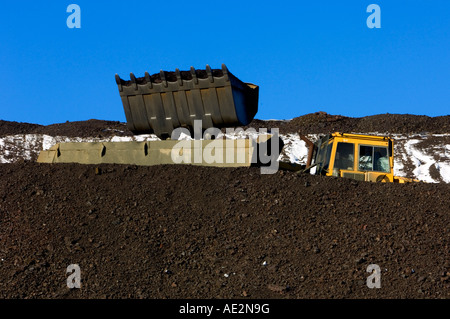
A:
(410, 159)
(424, 160)
(27, 146)
(295, 150)
(421, 161)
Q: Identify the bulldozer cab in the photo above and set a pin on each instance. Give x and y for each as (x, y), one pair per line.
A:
(361, 157)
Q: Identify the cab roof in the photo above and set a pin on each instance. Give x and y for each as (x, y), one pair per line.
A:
(361, 136)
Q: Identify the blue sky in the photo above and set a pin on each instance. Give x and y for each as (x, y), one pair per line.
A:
(306, 56)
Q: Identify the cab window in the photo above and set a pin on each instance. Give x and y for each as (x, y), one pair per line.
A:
(344, 158)
(327, 156)
(373, 158)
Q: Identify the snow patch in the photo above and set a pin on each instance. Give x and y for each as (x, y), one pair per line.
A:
(407, 150)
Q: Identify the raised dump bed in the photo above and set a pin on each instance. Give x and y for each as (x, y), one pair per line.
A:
(164, 101)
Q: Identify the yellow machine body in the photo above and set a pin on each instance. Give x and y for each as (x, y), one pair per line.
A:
(356, 156)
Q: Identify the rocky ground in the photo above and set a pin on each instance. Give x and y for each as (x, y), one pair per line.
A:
(89, 128)
(319, 122)
(191, 232)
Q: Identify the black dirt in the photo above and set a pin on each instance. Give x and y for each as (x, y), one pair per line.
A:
(313, 123)
(182, 231)
(321, 122)
(89, 128)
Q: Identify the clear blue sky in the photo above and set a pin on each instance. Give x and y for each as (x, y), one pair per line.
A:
(306, 56)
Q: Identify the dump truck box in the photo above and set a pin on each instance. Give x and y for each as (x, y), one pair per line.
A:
(161, 102)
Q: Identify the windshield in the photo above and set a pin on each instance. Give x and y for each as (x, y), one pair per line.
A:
(344, 158)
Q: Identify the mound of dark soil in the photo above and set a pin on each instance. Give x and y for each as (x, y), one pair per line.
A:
(321, 122)
(195, 232)
(12, 128)
(89, 128)
(313, 123)
(403, 123)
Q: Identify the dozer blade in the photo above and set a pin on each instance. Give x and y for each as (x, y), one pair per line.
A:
(162, 102)
(219, 152)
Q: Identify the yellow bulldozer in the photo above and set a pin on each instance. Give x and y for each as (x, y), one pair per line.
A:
(356, 156)
(169, 104)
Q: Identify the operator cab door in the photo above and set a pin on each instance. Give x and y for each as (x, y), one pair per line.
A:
(344, 162)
